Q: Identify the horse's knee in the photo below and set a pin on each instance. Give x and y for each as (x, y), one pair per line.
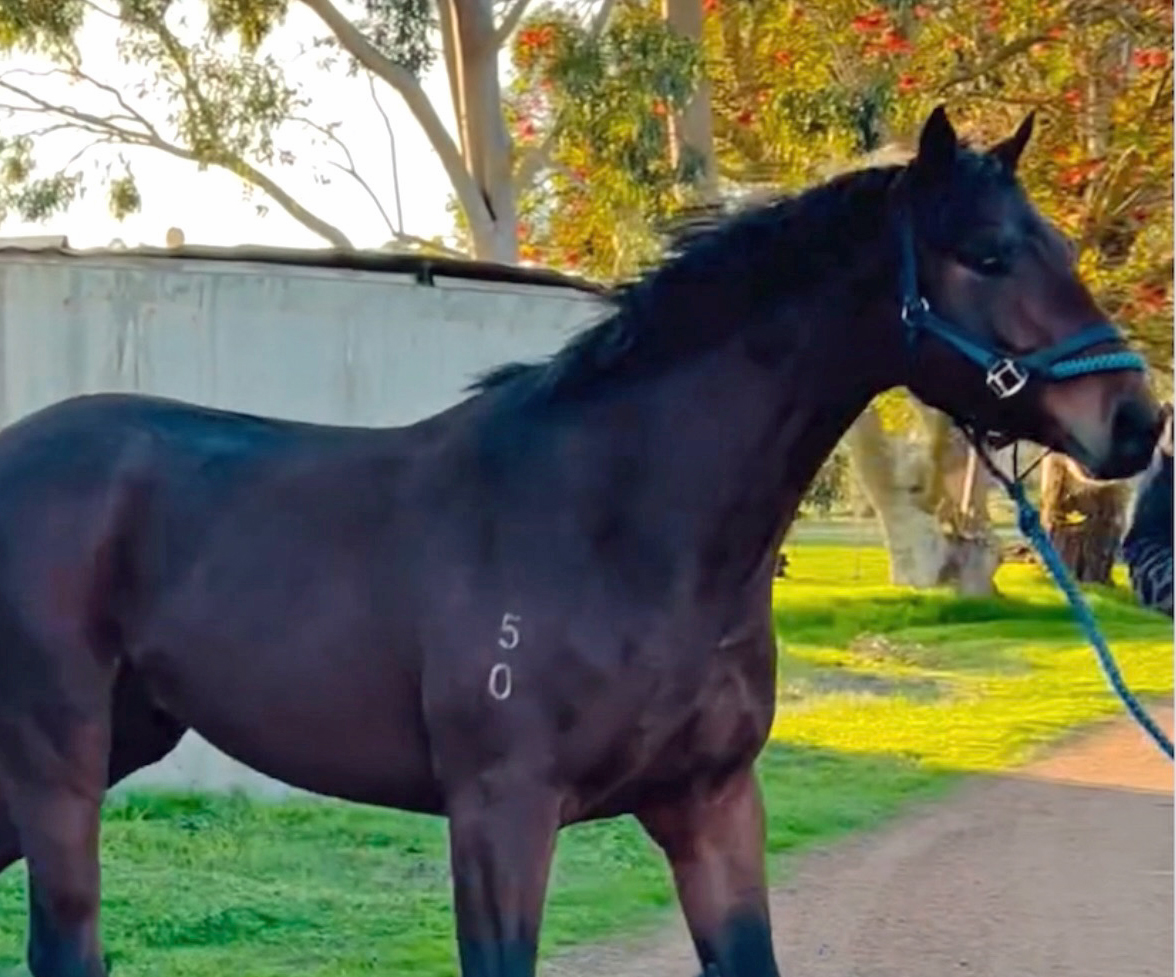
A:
(65, 904)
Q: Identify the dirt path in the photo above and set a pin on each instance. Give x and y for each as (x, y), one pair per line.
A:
(1063, 870)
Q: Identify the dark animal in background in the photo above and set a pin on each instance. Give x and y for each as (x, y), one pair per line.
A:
(1147, 545)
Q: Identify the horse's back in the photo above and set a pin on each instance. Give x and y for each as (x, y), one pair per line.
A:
(80, 473)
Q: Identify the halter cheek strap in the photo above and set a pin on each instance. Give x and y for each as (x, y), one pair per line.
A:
(1006, 374)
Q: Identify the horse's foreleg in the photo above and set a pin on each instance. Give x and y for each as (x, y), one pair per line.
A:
(715, 844)
(502, 839)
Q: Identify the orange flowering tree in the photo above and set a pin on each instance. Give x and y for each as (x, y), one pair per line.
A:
(800, 87)
(595, 106)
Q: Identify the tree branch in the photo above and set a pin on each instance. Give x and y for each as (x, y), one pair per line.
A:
(403, 81)
(510, 22)
(194, 98)
(350, 168)
(92, 144)
(104, 124)
(153, 139)
(75, 74)
(1002, 54)
(1022, 44)
(391, 150)
(600, 20)
(102, 10)
(425, 243)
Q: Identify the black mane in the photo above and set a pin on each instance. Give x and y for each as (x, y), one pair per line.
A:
(722, 271)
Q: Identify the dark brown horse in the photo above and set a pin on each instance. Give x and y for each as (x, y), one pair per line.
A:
(547, 604)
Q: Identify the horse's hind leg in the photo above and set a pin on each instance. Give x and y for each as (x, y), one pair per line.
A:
(9, 839)
(715, 845)
(141, 733)
(53, 774)
(502, 838)
(55, 731)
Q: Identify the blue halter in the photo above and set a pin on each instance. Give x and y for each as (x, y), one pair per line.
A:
(1007, 373)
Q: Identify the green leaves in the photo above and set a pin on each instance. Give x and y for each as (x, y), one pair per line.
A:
(122, 196)
(402, 30)
(599, 103)
(801, 88)
(250, 20)
(39, 25)
(31, 199)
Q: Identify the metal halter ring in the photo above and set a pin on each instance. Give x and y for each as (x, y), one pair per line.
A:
(1006, 379)
(912, 308)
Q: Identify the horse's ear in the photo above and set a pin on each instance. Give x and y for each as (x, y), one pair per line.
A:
(1009, 151)
(937, 143)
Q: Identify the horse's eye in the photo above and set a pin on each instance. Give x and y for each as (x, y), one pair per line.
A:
(990, 259)
(992, 264)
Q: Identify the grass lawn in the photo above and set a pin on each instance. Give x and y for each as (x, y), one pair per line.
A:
(885, 698)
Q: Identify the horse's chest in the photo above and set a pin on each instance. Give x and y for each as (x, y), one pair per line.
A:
(724, 726)
(695, 730)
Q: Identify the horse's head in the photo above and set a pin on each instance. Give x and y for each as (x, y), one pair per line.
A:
(1006, 336)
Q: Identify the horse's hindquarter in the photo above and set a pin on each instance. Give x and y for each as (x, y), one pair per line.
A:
(290, 643)
(245, 568)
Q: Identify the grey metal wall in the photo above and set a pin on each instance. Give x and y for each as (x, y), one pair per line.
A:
(316, 344)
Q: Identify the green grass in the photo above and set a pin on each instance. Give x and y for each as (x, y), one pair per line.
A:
(886, 699)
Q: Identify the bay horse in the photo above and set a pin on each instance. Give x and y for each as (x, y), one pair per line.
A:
(549, 603)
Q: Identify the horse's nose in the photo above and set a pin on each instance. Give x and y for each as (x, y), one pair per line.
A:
(1135, 427)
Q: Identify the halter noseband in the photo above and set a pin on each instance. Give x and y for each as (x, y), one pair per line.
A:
(1006, 374)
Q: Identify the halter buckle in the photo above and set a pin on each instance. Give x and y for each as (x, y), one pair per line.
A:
(1006, 378)
(913, 307)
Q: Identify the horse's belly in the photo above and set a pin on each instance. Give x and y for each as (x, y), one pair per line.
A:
(350, 760)
(351, 732)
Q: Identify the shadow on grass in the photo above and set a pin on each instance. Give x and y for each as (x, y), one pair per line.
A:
(196, 885)
(835, 622)
(804, 677)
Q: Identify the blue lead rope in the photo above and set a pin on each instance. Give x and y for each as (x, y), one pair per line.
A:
(1030, 525)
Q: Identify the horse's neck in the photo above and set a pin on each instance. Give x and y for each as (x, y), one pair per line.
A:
(742, 442)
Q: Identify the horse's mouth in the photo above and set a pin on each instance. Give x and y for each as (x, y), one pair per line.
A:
(1119, 461)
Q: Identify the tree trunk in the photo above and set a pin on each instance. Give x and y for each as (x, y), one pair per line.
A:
(932, 505)
(1084, 519)
(890, 477)
(692, 133)
(958, 495)
(469, 43)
